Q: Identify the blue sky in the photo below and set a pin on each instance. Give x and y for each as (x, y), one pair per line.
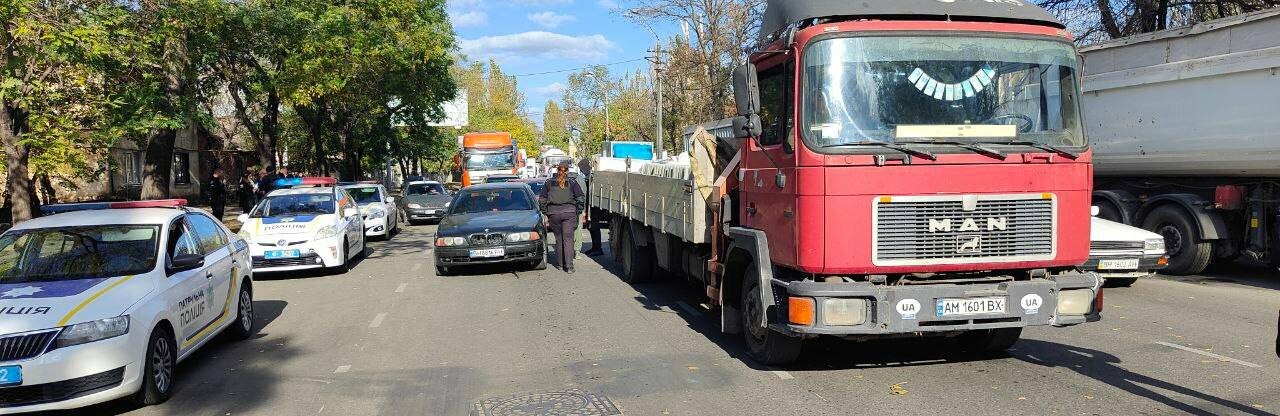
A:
(533, 36)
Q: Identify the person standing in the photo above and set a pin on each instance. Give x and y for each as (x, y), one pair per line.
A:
(594, 215)
(248, 192)
(268, 181)
(562, 201)
(217, 194)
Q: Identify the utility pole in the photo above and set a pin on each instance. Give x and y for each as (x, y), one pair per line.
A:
(657, 83)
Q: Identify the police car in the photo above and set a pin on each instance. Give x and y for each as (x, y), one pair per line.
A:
(309, 223)
(381, 215)
(101, 301)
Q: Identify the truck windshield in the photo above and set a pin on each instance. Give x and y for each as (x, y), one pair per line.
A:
(917, 89)
(73, 253)
(491, 160)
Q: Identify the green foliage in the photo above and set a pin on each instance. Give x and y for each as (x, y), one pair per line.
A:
(495, 103)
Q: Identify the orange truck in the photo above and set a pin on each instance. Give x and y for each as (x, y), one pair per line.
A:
(485, 154)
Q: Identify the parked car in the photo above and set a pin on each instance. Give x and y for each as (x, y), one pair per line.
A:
(424, 201)
(313, 224)
(381, 214)
(1122, 254)
(488, 224)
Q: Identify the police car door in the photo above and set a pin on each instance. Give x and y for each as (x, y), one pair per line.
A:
(220, 264)
(353, 217)
(187, 290)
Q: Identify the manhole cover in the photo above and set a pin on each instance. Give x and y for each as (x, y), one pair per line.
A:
(568, 403)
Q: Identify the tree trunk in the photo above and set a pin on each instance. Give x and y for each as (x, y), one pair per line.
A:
(1108, 18)
(158, 166)
(23, 204)
(271, 125)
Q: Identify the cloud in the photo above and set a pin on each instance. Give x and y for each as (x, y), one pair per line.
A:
(608, 4)
(539, 44)
(550, 89)
(550, 19)
(470, 18)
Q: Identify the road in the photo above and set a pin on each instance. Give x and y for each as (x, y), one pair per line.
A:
(392, 338)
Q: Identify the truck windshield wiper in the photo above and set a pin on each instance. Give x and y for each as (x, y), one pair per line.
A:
(976, 148)
(1041, 146)
(900, 148)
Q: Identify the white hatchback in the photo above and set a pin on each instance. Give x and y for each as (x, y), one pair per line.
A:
(101, 301)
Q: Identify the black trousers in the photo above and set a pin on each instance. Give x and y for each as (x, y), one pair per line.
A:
(564, 225)
(218, 207)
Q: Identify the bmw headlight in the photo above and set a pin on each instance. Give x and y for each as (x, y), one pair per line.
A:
(519, 237)
(1156, 244)
(415, 206)
(375, 213)
(328, 231)
(92, 331)
(451, 241)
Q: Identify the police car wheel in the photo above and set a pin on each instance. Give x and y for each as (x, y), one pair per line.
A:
(243, 327)
(158, 369)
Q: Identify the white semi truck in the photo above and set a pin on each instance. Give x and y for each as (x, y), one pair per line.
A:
(1185, 129)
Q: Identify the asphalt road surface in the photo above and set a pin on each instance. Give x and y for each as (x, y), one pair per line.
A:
(392, 338)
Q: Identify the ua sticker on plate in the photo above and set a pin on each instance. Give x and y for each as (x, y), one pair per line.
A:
(1031, 303)
(908, 308)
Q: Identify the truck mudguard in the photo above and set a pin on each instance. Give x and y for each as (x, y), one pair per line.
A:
(1122, 200)
(755, 244)
(1211, 225)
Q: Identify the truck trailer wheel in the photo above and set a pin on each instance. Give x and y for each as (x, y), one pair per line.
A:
(1187, 253)
(637, 261)
(989, 340)
(765, 345)
(616, 237)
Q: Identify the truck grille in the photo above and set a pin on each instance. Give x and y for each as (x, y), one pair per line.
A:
(964, 229)
(495, 239)
(21, 347)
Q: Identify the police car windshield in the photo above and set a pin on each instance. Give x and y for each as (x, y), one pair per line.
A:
(488, 200)
(424, 189)
(72, 253)
(365, 195)
(292, 205)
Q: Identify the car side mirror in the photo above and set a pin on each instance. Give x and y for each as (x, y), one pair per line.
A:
(243, 218)
(184, 262)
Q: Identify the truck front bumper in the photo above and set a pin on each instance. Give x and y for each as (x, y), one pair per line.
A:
(917, 309)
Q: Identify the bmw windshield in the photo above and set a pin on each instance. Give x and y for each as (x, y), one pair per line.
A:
(71, 253)
(876, 90)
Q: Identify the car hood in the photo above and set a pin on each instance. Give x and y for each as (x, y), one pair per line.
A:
(1103, 230)
(428, 201)
(34, 306)
(264, 229)
(457, 225)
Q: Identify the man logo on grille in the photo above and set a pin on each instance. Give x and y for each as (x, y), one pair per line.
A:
(969, 224)
(969, 245)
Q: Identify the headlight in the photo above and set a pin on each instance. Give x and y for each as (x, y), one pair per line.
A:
(451, 241)
(414, 206)
(92, 331)
(1075, 301)
(518, 237)
(328, 231)
(1154, 244)
(377, 213)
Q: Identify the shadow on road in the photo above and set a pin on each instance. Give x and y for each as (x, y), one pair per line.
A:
(1105, 368)
(1240, 272)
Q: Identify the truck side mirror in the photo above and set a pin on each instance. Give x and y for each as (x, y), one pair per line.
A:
(745, 127)
(746, 90)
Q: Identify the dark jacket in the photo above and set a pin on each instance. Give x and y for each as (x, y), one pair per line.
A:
(556, 200)
(215, 190)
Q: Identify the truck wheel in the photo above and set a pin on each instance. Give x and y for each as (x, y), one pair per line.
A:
(989, 340)
(1120, 281)
(616, 237)
(765, 345)
(637, 261)
(1109, 211)
(1187, 253)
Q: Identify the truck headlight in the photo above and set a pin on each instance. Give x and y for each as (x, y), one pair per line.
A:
(451, 241)
(1075, 301)
(376, 213)
(415, 206)
(328, 231)
(92, 331)
(1156, 244)
(519, 237)
(844, 312)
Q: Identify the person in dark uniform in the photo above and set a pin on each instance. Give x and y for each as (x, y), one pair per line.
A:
(594, 216)
(216, 191)
(268, 181)
(248, 192)
(562, 201)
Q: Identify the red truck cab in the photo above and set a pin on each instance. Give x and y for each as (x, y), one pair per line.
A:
(908, 161)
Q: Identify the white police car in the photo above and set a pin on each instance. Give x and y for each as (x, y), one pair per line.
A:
(310, 223)
(381, 215)
(101, 301)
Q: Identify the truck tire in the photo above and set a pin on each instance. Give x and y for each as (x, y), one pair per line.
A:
(616, 236)
(637, 261)
(765, 345)
(1188, 254)
(985, 341)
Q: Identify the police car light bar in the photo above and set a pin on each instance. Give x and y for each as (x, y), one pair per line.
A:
(90, 206)
(308, 181)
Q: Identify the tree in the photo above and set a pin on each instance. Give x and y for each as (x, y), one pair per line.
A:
(495, 103)
(555, 127)
(1100, 20)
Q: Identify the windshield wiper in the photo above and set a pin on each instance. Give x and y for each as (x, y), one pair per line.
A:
(976, 148)
(1041, 146)
(900, 148)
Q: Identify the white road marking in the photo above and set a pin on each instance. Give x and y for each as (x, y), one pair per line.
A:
(377, 320)
(1210, 355)
(400, 289)
(688, 308)
(782, 374)
(342, 369)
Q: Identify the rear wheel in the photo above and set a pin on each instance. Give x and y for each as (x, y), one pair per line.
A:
(637, 261)
(989, 340)
(767, 346)
(616, 236)
(242, 329)
(1188, 254)
(157, 371)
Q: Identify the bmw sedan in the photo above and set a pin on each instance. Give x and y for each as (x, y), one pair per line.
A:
(491, 224)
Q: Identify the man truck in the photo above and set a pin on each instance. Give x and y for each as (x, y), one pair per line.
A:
(484, 154)
(1186, 135)
(897, 168)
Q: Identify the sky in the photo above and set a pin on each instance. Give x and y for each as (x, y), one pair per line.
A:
(537, 36)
